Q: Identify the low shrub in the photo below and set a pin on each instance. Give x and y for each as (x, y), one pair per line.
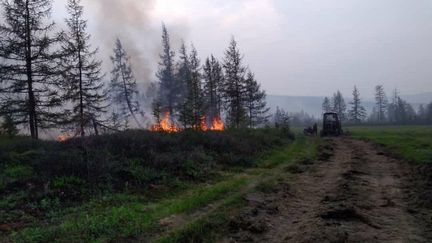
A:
(131, 160)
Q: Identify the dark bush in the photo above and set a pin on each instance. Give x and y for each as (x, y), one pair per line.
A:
(131, 160)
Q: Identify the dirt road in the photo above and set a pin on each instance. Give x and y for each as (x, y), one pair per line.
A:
(358, 195)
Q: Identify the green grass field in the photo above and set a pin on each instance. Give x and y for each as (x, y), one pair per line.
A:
(412, 143)
(121, 216)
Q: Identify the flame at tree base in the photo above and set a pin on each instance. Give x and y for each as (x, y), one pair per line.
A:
(63, 137)
(218, 124)
(167, 125)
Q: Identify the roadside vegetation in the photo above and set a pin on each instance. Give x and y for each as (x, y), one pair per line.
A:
(413, 143)
(122, 185)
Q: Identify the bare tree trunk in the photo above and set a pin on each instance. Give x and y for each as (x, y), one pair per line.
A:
(82, 120)
(128, 98)
(31, 97)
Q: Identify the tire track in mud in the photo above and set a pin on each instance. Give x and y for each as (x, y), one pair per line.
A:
(358, 195)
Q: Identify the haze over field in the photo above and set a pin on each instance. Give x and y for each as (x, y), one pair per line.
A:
(297, 48)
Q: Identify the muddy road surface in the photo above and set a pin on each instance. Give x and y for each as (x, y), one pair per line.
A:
(359, 194)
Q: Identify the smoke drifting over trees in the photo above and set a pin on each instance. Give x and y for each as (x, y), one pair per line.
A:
(54, 78)
(128, 20)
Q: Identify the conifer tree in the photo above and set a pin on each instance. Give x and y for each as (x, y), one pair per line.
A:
(357, 113)
(429, 113)
(169, 87)
(8, 126)
(213, 87)
(256, 106)
(194, 99)
(381, 103)
(339, 105)
(27, 65)
(234, 87)
(326, 106)
(123, 87)
(82, 73)
(183, 76)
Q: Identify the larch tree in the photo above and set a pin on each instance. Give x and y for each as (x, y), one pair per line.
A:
(357, 113)
(194, 95)
(183, 76)
(255, 102)
(83, 84)
(339, 105)
(169, 87)
(421, 113)
(123, 87)
(234, 86)
(429, 113)
(326, 105)
(380, 103)
(28, 75)
(213, 88)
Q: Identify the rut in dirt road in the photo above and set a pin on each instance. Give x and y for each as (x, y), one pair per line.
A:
(358, 195)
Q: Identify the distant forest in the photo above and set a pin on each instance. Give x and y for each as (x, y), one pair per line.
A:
(394, 110)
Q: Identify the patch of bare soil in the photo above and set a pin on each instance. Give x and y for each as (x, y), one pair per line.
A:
(355, 193)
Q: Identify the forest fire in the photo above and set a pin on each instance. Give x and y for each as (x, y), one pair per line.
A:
(167, 125)
(217, 124)
(63, 137)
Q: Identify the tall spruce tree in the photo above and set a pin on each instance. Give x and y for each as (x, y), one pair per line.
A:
(380, 103)
(194, 97)
(169, 87)
(82, 73)
(357, 113)
(213, 87)
(27, 66)
(183, 76)
(326, 105)
(256, 106)
(400, 111)
(123, 87)
(339, 105)
(235, 87)
(429, 113)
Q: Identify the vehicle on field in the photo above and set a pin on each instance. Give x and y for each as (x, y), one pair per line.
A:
(332, 125)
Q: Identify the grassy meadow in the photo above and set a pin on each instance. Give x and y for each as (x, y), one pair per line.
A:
(412, 143)
(138, 185)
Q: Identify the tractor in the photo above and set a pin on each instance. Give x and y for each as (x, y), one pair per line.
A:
(331, 125)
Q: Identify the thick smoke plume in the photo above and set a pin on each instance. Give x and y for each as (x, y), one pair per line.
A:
(130, 21)
(135, 24)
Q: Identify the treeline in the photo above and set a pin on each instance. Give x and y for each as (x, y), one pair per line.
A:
(386, 111)
(52, 78)
(190, 92)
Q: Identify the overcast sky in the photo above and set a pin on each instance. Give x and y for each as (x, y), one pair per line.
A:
(295, 47)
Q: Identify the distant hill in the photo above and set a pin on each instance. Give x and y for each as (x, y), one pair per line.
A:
(312, 104)
(423, 98)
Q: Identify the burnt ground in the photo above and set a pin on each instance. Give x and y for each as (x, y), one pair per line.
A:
(359, 194)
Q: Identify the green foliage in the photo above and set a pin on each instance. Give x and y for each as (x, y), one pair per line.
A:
(413, 143)
(65, 182)
(8, 127)
(132, 161)
(13, 173)
(143, 176)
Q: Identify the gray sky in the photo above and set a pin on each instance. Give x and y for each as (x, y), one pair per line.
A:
(295, 47)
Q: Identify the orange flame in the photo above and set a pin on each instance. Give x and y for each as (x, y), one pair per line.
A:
(217, 124)
(166, 125)
(63, 137)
